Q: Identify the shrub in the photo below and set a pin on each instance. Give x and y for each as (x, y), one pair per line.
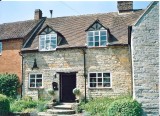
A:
(22, 104)
(4, 105)
(9, 84)
(51, 92)
(27, 98)
(27, 105)
(41, 106)
(97, 106)
(124, 107)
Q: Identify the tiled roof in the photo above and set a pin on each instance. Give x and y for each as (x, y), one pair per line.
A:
(16, 29)
(73, 27)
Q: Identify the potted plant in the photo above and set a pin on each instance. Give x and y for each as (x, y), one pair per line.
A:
(77, 93)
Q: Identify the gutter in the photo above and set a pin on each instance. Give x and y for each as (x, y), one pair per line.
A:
(22, 73)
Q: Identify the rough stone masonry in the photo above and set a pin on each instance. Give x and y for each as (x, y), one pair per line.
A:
(145, 60)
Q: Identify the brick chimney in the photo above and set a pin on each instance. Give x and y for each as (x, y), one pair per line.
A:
(125, 6)
(37, 14)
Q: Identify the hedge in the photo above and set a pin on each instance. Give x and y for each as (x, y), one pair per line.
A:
(4, 105)
(124, 107)
(9, 84)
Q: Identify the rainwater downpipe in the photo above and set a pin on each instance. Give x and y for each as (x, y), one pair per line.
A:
(85, 76)
(130, 51)
(20, 53)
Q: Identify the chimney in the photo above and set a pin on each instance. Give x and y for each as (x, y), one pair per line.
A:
(37, 14)
(125, 6)
(51, 12)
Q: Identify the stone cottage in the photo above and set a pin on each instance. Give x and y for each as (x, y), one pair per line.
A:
(145, 59)
(89, 52)
(12, 37)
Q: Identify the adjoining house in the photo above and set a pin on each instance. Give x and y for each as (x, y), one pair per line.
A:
(145, 59)
(89, 52)
(12, 37)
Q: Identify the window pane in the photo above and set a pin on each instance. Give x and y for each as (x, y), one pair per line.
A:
(92, 75)
(102, 32)
(41, 47)
(90, 38)
(92, 79)
(32, 82)
(47, 44)
(32, 76)
(103, 38)
(99, 74)
(97, 38)
(38, 82)
(96, 43)
(53, 42)
(53, 46)
(92, 84)
(39, 75)
(106, 85)
(106, 79)
(42, 42)
(42, 38)
(90, 33)
(53, 37)
(96, 33)
(103, 43)
(106, 74)
(99, 79)
(99, 84)
(47, 41)
(47, 37)
(90, 43)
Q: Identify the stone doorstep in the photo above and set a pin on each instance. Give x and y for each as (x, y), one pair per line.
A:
(65, 106)
(60, 111)
(45, 114)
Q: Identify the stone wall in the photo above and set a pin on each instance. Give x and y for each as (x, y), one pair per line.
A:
(110, 59)
(145, 60)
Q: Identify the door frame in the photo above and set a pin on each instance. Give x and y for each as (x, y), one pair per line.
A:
(61, 83)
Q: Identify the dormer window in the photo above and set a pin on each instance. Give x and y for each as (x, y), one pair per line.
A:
(49, 39)
(97, 38)
(48, 42)
(97, 35)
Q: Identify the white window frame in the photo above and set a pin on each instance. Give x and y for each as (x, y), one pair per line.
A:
(35, 79)
(99, 38)
(0, 48)
(45, 36)
(97, 80)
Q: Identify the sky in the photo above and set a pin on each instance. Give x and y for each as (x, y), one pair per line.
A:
(12, 11)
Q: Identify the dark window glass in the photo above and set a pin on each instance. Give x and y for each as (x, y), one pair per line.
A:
(92, 74)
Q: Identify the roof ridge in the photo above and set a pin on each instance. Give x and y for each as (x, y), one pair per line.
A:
(18, 22)
(82, 15)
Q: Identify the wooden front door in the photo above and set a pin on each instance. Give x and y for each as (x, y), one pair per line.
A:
(67, 84)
